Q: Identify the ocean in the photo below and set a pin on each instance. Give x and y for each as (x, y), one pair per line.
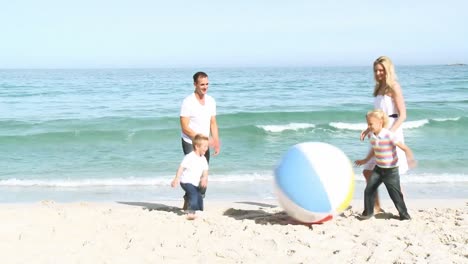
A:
(113, 134)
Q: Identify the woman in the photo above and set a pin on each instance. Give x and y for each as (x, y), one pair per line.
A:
(388, 96)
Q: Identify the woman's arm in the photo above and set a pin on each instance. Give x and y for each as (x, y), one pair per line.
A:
(399, 100)
(409, 154)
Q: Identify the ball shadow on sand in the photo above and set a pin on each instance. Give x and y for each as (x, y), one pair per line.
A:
(264, 214)
(268, 214)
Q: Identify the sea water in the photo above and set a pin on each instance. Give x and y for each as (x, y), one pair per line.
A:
(114, 134)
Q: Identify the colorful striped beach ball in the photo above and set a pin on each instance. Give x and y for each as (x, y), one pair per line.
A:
(314, 182)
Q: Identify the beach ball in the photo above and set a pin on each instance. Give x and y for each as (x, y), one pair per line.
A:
(314, 182)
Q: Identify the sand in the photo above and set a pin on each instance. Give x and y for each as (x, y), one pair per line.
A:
(228, 232)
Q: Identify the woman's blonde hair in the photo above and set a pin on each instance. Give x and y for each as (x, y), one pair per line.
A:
(379, 114)
(198, 139)
(390, 75)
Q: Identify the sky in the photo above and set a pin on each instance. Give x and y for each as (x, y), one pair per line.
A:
(242, 33)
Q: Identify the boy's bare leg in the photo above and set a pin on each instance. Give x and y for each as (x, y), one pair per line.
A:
(185, 206)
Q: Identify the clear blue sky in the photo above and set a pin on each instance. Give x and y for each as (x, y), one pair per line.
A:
(172, 33)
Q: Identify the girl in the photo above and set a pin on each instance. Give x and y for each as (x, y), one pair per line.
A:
(384, 150)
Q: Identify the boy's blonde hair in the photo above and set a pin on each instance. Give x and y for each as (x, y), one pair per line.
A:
(390, 75)
(379, 114)
(198, 139)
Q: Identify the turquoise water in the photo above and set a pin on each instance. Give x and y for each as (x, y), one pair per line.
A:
(107, 135)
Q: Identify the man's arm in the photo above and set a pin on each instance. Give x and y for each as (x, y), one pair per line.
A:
(184, 124)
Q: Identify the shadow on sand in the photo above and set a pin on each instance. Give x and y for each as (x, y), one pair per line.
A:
(156, 206)
(381, 216)
(258, 204)
(258, 216)
(261, 216)
(386, 216)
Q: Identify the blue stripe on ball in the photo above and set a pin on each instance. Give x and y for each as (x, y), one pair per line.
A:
(298, 180)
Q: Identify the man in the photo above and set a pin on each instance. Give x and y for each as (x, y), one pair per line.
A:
(198, 115)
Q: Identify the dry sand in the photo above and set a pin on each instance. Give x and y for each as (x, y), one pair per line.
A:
(228, 232)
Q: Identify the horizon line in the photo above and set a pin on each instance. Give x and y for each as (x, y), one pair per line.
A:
(212, 66)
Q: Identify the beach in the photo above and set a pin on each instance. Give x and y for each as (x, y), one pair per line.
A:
(229, 232)
(88, 156)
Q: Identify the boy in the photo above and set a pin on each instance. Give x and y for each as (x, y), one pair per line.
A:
(384, 145)
(193, 175)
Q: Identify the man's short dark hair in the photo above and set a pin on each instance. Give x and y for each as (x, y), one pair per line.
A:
(198, 75)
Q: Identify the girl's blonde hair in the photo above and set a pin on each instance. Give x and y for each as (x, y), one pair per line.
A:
(198, 139)
(379, 114)
(390, 75)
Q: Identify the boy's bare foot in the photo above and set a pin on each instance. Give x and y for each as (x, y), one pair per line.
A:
(191, 216)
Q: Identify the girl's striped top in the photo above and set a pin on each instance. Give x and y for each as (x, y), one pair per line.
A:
(384, 149)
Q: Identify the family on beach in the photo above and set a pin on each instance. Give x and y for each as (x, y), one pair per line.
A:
(387, 158)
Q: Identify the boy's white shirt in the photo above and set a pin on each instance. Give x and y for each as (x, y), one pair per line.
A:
(193, 165)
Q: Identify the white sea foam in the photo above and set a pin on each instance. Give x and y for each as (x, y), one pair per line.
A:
(281, 128)
(85, 182)
(349, 126)
(237, 178)
(415, 124)
(131, 181)
(428, 178)
(406, 124)
(446, 119)
(435, 178)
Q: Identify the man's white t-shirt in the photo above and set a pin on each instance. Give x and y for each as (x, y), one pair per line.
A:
(194, 166)
(200, 115)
